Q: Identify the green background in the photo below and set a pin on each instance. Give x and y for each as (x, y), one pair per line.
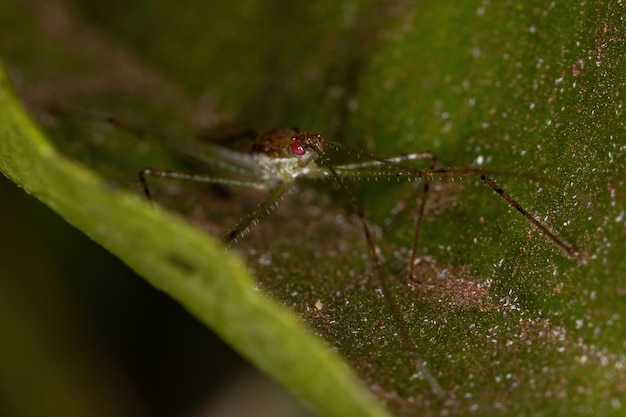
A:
(506, 321)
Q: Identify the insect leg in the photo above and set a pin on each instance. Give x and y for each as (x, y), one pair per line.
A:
(418, 221)
(389, 298)
(253, 217)
(571, 252)
(147, 172)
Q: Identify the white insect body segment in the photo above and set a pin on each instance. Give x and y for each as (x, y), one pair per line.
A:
(277, 170)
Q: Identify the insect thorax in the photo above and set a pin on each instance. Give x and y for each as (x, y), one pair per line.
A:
(282, 170)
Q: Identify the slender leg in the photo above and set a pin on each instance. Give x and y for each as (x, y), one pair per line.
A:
(252, 218)
(418, 220)
(147, 172)
(571, 252)
(408, 343)
(265, 207)
(398, 170)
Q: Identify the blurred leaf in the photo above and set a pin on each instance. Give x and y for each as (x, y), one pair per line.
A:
(181, 262)
(505, 320)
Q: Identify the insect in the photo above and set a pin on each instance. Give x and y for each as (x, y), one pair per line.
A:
(275, 160)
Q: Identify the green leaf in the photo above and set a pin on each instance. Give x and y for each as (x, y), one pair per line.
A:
(506, 321)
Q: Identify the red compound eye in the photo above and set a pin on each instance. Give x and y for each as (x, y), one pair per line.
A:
(297, 148)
